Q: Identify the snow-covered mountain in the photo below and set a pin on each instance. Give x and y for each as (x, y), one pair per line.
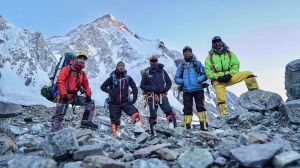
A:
(26, 59)
(25, 62)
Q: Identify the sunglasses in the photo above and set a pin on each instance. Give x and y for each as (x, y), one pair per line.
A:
(153, 60)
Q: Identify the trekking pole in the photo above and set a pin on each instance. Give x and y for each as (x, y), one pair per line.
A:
(153, 101)
(160, 98)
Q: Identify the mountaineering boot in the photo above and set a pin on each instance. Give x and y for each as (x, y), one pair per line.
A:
(135, 117)
(203, 120)
(187, 119)
(251, 83)
(171, 118)
(114, 130)
(152, 122)
(88, 124)
(222, 109)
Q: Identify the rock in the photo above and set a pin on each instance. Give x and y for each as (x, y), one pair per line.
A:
(83, 132)
(195, 157)
(167, 154)
(226, 145)
(142, 138)
(255, 155)
(101, 161)
(257, 138)
(116, 155)
(153, 141)
(16, 130)
(179, 132)
(150, 163)
(31, 162)
(208, 136)
(29, 140)
(164, 129)
(88, 150)
(292, 80)
(72, 165)
(220, 161)
(243, 139)
(284, 158)
(60, 144)
(10, 109)
(4, 159)
(7, 145)
(292, 110)
(144, 152)
(38, 129)
(259, 100)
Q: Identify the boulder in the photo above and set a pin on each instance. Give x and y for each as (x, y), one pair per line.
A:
(292, 80)
(260, 100)
(10, 109)
(101, 161)
(292, 110)
(32, 162)
(195, 157)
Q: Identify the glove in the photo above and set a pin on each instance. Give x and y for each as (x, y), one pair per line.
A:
(88, 99)
(225, 78)
(64, 98)
(205, 85)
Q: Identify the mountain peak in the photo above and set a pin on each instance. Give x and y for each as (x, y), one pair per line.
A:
(109, 19)
(3, 23)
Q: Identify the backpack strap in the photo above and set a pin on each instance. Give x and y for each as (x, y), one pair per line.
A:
(211, 54)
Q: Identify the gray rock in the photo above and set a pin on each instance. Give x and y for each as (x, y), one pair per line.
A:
(38, 129)
(142, 138)
(116, 155)
(255, 155)
(164, 129)
(32, 162)
(292, 110)
(208, 136)
(150, 163)
(259, 100)
(72, 165)
(284, 158)
(220, 161)
(195, 157)
(7, 145)
(60, 144)
(167, 154)
(179, 132)
(257, 138)
(144, 152)
(154, 141)
(9, 109)
(292, 80)
(29, 140)
(4, 159)
(226, 145)
(101, 161)
(16, 130)
(88, 150)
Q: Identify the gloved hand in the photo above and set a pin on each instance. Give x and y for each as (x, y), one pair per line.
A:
(88, 99)
(225, 78)
(64, 98)
(205, 85)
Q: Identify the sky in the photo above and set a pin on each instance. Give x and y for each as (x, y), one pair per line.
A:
(264, 34)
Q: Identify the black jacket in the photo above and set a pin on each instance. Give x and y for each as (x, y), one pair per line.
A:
(156, 80)
(118, 89)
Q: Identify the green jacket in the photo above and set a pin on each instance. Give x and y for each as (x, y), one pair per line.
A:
(223, 65)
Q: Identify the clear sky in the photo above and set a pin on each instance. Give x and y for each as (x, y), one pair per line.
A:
(264, 34)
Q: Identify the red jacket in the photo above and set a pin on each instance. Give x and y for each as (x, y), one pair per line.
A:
(67, 82)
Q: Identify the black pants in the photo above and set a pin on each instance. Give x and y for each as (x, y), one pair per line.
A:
(165, 107)
(115, 111)
(188, 102)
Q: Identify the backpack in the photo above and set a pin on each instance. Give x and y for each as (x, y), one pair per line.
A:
(50, 92)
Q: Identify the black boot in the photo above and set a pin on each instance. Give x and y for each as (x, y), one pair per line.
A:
(88, 124)
(171, 119)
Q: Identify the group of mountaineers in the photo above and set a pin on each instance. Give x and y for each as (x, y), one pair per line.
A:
(221, 67)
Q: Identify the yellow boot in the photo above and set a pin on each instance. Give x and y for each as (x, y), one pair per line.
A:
(203, 120)
(251, 82)
(222, 109)
(187, 119)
